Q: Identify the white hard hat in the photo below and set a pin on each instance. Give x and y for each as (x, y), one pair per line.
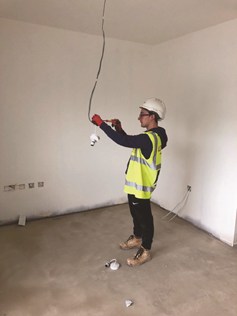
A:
(155, 105)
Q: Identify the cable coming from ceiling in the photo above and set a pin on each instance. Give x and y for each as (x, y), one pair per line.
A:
(100, 64)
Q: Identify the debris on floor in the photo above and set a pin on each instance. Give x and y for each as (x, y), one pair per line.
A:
(22, 220)
(128, 303)
(112, 264)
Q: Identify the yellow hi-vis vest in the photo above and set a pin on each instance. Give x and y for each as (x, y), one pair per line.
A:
(142, 173)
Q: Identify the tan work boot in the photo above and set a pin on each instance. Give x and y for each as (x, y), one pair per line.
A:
(131, 242)
(143, 255)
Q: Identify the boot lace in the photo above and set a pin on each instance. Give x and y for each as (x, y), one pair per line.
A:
(130, 237)
(139, 253)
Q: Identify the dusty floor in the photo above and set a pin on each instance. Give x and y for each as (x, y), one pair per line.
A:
(56, 267)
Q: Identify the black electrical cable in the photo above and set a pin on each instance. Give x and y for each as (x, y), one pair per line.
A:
(101, 59)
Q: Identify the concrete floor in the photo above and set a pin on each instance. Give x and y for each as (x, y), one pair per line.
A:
(55, 267)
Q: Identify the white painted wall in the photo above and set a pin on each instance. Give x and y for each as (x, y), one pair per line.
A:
(46, 80)
(235, 235)
(47, 76)
(197, 77)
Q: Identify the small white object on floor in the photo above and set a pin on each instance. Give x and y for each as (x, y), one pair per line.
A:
(128, 303)
(22, 220)
(112, 264)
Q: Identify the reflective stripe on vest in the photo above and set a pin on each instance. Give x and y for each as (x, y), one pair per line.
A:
(153, 165)
(139, 187)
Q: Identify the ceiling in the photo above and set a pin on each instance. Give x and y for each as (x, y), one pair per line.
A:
(144, 21)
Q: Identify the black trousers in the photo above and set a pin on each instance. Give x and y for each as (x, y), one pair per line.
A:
(143, 225)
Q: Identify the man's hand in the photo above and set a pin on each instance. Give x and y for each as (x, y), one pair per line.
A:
(116, 124)
(96, 119)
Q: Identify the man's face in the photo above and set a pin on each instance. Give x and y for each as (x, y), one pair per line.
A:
(144, 118)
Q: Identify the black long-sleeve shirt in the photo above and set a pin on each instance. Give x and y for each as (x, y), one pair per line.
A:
(141, 141)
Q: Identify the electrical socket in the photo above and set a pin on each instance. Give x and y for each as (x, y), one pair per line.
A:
(10, 187)
(189, 188)
(20, 186)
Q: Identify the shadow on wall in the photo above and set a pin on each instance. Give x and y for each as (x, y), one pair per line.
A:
(48, 214)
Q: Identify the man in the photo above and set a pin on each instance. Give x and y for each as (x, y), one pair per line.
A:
(142, 173)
